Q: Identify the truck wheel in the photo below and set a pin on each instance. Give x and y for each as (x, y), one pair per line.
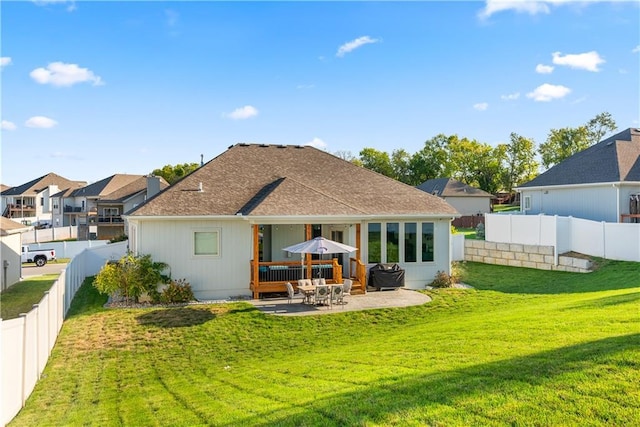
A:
(40, 261)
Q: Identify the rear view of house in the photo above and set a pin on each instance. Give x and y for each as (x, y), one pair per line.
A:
(224, 227)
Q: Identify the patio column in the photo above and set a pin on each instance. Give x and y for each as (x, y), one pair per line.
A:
(307, 236)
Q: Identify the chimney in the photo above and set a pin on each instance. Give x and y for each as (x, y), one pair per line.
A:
(153, 186)
(201, 160)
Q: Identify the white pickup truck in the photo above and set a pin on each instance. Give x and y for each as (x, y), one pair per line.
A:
(39, 257)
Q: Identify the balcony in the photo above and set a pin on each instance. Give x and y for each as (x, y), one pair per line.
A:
(106, 220)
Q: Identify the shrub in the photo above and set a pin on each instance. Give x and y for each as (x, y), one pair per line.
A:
(177, 291)
(120, 238)
(131, 276)
(446, 280)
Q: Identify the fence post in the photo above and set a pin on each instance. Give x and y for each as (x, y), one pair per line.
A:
(604, 239)
(23, 380)
(555, 240)
(36, 307)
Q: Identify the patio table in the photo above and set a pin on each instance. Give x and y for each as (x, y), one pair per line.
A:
(308, 291)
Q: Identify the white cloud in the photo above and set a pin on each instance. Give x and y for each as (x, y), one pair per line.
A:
(481, 106)
(309, 86)
(242, 113)
(4, 61)
(530, 7)
(40, 122)
(317, 143)
(61, 74)
(636, 49)
(7, 125)
(547, 92)
(511, 96)
(70, 8)
(584, 61)
(544, 69)
(354, 44)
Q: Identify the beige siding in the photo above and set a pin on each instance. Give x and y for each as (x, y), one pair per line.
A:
(470, 205)
(210, 277)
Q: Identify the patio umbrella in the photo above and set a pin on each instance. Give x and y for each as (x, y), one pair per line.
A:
(319, 246)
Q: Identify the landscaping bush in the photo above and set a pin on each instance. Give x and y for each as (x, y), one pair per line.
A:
(131, 276)
(177, 291)
(446, 280)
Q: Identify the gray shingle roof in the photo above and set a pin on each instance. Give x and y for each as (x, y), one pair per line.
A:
(615, 159)
(279, 180)
(136, 186)
(449, 187)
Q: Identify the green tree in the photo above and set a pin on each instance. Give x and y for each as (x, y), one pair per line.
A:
(563, 143)
(432, 161)
(599, 126)
(377, 161)
(176, 172)
(131, 276)
(520, 164)
(401, 164)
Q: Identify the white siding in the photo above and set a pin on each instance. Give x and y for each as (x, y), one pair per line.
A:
(594, 203)
(210, 277)
(10, 249)
(283, 235)
(417, 274)
(470, 205)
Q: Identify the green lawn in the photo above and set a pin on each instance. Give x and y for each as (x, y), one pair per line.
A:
(505, 208)
(20, 297)
(526, 347)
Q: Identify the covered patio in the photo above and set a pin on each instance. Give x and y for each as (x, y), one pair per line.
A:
(371, 300)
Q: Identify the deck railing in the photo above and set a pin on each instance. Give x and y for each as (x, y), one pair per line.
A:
(272, 275)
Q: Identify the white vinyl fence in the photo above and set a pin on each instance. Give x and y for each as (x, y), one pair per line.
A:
(611, 240)
(49, 234)
(67, 249)
(26, 342)
(457, 247)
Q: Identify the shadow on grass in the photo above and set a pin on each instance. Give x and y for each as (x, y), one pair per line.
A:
(176, 317)
(632, 297)
(87, 300)
(399, 395)
(611, 275)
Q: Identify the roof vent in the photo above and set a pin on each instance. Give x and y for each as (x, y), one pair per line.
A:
(264, 145)
(282, 146)
(200, 188)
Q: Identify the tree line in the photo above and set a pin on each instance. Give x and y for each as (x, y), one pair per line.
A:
(492, 169)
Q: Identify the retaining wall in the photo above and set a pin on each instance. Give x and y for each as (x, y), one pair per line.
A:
(518, 255)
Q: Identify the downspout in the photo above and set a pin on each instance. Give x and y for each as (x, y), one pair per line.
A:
(617, 187)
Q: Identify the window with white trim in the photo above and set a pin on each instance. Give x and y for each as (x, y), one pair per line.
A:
(527, 203)
(206, 243)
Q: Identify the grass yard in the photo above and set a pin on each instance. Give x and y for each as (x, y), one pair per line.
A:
(526, 347)
(20, 297)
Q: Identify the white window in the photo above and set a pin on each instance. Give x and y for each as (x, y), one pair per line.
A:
(111, 211)
(206, 243)
(527, 203)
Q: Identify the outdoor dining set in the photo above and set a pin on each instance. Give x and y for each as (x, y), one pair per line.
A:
(317, 292)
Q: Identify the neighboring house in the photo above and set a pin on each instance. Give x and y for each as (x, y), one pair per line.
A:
(600, 183)
(97, 208)
(223, 227)
(469, 201)
(32, 200)
(10, 251)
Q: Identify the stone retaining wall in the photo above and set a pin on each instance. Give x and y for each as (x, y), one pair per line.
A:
(516, 255)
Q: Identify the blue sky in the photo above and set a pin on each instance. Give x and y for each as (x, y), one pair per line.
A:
(90, 89)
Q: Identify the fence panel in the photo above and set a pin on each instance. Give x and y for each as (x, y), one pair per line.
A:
(42, 333)
(68, 249)
(497, 228)
(587, 237)
(12, 366)
(621, 241)
(457, 247)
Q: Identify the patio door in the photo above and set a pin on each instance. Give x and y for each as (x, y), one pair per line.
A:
(338, 236)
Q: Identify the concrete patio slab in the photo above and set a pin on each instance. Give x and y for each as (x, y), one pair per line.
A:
(370, 300)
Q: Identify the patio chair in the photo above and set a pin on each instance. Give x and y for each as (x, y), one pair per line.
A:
(322, 295)
(291, 293)
(337, 294)
(348, 283)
